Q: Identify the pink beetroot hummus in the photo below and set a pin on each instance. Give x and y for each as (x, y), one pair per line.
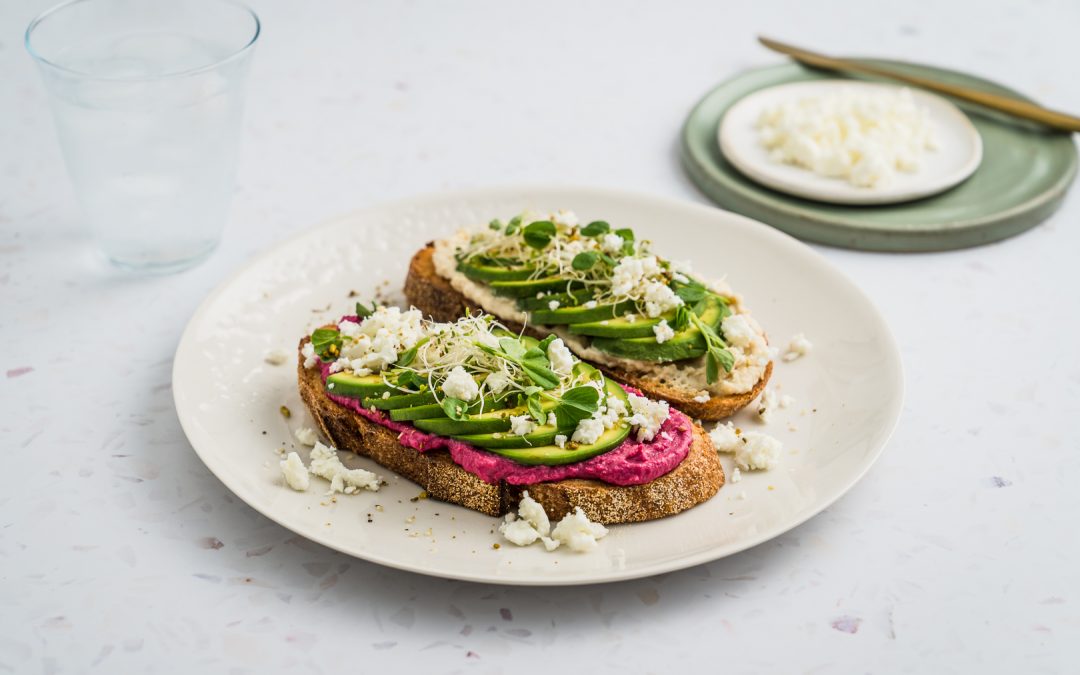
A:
(632, 463)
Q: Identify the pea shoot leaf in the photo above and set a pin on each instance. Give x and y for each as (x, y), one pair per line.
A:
(409, 355)
(595, 228)
(327, 343)
(454, 408)
(362, 311)
(584, 260)
(535, 409)
(539, 234)
(575, 405)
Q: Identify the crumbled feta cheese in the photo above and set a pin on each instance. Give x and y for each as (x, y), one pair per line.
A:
(340, 364)
(306, 436)
(562, 361)
(659, 298)
(349, 329)
(530, 510)
(630, 317)
(738, 331)
(496, 381)
(630, 272)
(540, 295)
(553, 305)
(752, 450)
(560, 440)
(648, 416)
(725, 437)
(276, 357)
(736, 475)
(663, 332)
(308, 352)
(590, 304)
(578, 532)
(767, 404)
(588, 431)
(799, 346)
(863, 137)
(681, 278)
(521, 425)
(552, 420)
(461, 385)
(382, 336)
(786, 401)
(611, 243)
(295, 473)
(326, 464)
(517, 531)
(702, 396)
(565, 218)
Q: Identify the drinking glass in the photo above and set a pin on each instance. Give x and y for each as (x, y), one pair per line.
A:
(147, 96)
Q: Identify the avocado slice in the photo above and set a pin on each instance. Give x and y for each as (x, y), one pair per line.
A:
(688, 343)
(486, 422)
(552, 455)
(399, 400)
(641, 326)
(580, 314)
(540, 436)
(480, 272)
(435, 410)
(527, 287)
(356, 386)
(571, 299)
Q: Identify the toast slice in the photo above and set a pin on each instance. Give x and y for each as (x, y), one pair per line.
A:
(694, 481)
(434, 296)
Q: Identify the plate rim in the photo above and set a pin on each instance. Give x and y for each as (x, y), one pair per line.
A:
(973, 138)
(185, 346)
(868, 235)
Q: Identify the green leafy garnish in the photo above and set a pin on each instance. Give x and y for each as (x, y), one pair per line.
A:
(327, 343)
(539, 234)
(595, 228)
(362, 311)
(575, 405)
(513, 225)
(584, 260)
(410, 378)
(626, 233)
(691, 292)
(717, 355)
(535, 409)
(454, 408)
(409, 355)
(533, 362)
(495, 224)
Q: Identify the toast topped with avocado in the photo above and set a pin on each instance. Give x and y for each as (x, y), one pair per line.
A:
(642, 319)
(477, 414)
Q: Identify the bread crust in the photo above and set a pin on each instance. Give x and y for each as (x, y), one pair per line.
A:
(694, 481)
(434, 296)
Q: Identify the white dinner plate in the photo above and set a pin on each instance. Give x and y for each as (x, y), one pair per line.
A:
(957, 156)
(848, 390)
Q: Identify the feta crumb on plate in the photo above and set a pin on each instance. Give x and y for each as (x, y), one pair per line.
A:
(326, 464)
(752, 450)
(531, 523)
(276, 357)
(799, 346)
(295, 473)
(306, 436)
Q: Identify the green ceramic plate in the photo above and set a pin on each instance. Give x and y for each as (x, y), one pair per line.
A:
(1023, 177)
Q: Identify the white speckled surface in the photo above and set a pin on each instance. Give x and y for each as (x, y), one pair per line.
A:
(119, 552)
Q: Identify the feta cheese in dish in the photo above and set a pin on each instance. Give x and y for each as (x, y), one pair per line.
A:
(295, 473)
(767, 404)
(799, 346)
(530, 510)
(864, 138)
(518, 531)
(736, 475)
(648, 416)
(306, 436)
(611, 243)
(663, 332)
(460, 384)
(308, 352)
(326, 464)
(553, 305)
(725, 437)
(564, 217)
(562, 361)
(702, 396)
(379, 339)
(560, 440)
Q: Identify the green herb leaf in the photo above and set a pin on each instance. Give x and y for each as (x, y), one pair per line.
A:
(363, 312)
(512, 347)
(535, 409)
(513, 225)
(595, 228)
(682, 317)
(626, 233)
(409, 355)
(575, 405)
(454, 408)
(725, 357)
(584, 260)
(711, 367)
(327, 343)
(495, 224)
(539, 234)
(608, 260)
(539, 372)
(409, 378)
(691, 292)
(546, 342)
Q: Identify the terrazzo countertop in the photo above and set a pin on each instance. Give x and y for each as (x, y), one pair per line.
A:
(120, 552)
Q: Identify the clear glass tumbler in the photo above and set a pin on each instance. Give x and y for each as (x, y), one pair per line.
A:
(147, 97)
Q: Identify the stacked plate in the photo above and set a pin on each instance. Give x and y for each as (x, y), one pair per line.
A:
(991, 176)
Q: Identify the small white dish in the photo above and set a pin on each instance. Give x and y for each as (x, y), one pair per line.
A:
(848, 390)
(958, 154)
